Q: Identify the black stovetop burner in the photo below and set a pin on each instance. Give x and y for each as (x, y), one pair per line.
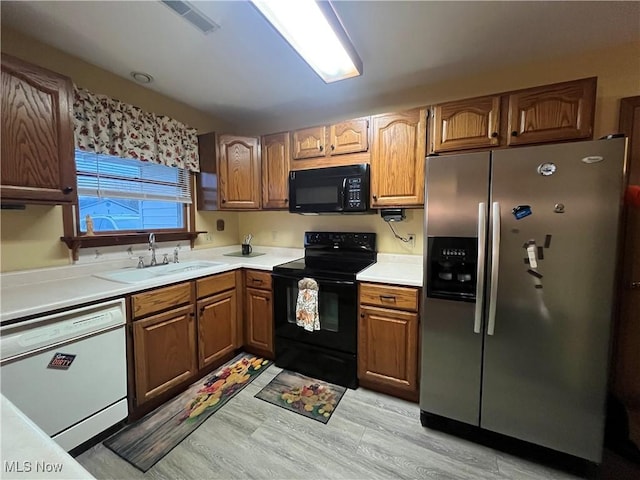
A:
(336, 255)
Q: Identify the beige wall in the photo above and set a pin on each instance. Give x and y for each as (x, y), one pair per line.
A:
(30, 238)
(286, 229)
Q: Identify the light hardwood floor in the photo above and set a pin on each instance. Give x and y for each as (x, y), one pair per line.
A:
(370, 436)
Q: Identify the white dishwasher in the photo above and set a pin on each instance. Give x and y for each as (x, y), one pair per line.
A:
(68, 371)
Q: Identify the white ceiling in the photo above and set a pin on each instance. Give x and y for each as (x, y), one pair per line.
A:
(246, 74)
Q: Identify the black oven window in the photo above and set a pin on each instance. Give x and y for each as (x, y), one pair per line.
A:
(328, 308)
(317, 195)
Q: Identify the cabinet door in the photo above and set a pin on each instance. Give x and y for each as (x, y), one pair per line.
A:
(275, 170)
(239, 180)
(259, 320)
(309, 142)
(38, 162)
(563, 111)
(349, 137)
(397, 159)
(164, 347)
(388, 348)
(217, 321)
(207, 178)
(465, 124)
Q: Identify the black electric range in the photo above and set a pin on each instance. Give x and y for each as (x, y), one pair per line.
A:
(333, 259)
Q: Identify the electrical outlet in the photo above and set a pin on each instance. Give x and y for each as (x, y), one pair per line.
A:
(412, 240)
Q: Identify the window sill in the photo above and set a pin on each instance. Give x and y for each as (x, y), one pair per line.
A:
(88, 241)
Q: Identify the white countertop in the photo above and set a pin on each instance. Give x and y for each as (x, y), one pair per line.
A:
(31, 292)
(394, 269)
(27, 452)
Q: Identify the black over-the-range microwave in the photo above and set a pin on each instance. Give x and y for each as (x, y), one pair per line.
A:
(343, 189)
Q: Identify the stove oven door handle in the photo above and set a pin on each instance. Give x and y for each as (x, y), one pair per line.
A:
(318, 279)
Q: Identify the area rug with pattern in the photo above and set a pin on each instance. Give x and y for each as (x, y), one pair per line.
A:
(147, 440)
(304, 395)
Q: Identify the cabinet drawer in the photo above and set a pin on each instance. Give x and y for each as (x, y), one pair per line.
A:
(258, 279)
(215, 284)
(403, 298)
(160, 299)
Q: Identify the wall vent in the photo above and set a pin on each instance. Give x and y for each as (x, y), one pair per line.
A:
(192, 15)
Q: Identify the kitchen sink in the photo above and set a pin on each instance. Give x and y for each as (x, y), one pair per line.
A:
(137, 275)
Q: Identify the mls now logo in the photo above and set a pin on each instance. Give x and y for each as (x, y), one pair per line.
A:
(15, 466)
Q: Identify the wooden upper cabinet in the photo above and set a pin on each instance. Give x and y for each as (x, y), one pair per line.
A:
(239, 172)
(349, 137)
(309, 143)
(341, 143)
(464, 124)
(207, 177)
(38, 164)
(397, 159)
(562, 111)
(275, 170)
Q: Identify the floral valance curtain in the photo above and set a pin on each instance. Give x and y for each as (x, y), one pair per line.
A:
(107, 126)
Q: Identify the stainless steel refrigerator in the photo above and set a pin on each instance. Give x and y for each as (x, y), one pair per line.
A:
(520, 261)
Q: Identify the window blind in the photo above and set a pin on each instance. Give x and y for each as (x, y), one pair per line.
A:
(114, 177)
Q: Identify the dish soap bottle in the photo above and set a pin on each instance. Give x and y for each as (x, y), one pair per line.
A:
(89, 222)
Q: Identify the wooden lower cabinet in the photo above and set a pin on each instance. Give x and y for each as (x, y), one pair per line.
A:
(388, 340)
(259, 313)
(216, 327)
(164, 352)
(179, 332)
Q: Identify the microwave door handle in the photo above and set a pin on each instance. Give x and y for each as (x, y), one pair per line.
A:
(343, 193)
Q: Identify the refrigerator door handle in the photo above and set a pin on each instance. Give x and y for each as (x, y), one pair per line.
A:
(495, 263)
(482, 239)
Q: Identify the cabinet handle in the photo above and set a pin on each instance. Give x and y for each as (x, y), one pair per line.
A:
(321, 147)
(388, 297)
(514, 133)
(256, 280)
(362, 315)
(201, 310)
(286, 200)
(333, 147)
(494, 135)
(375, 197)
(67, 190)
(192, 314)
(224, 201)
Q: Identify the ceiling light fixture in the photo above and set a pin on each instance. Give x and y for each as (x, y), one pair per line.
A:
(142, 77)
(314, 31)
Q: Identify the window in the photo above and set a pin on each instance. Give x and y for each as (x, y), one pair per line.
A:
(127, 195)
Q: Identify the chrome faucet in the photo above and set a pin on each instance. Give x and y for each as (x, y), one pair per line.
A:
(175, 255)
(152, 247)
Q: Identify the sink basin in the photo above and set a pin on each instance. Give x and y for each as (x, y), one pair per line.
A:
(137, 275)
